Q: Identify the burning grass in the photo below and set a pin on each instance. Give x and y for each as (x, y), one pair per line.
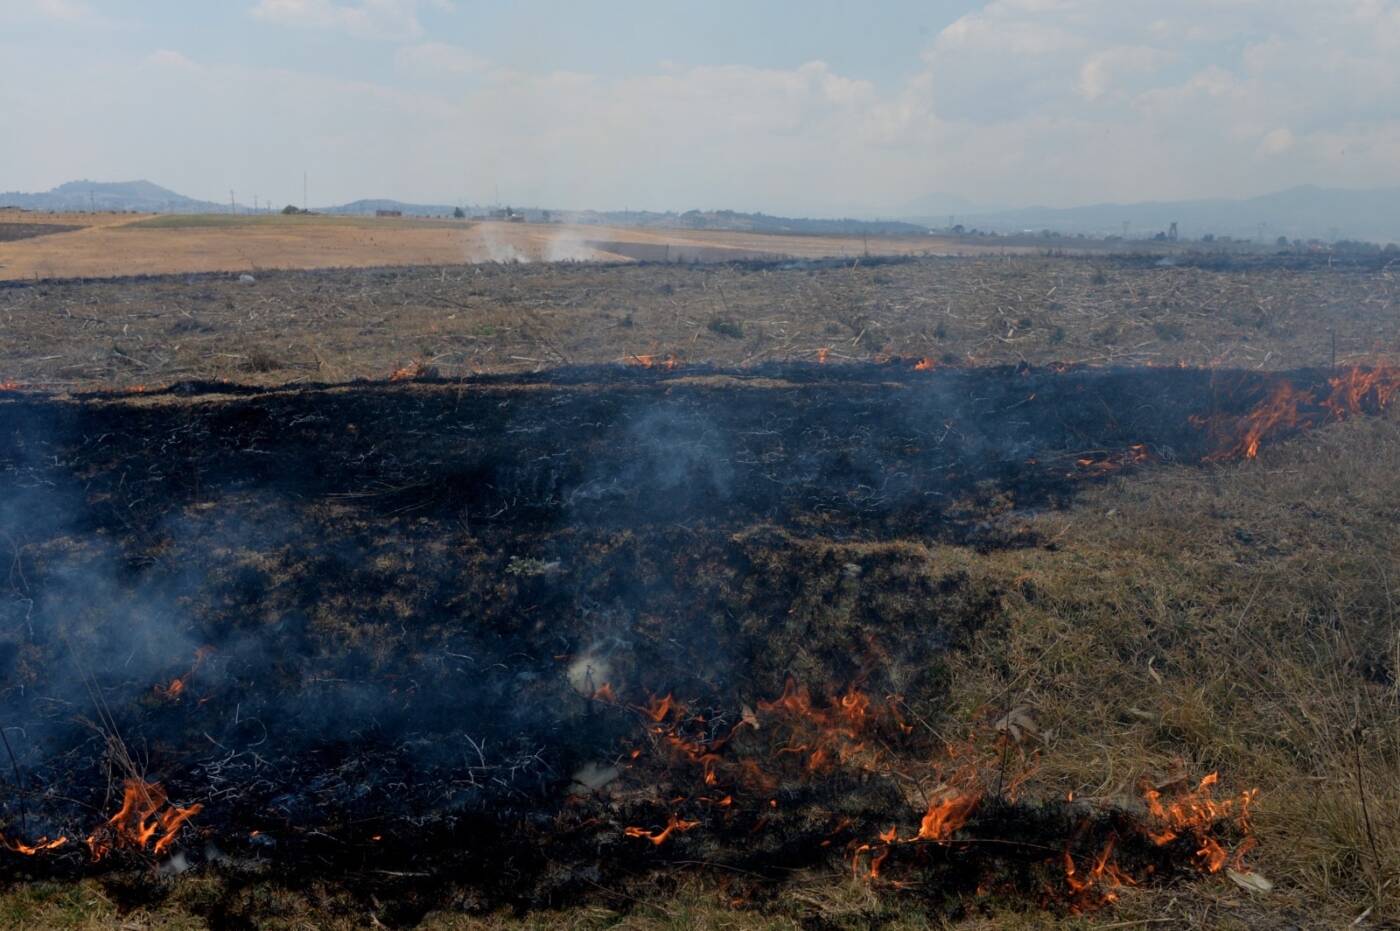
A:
(846, 643)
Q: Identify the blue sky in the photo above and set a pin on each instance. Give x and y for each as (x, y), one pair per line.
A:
(815, 107)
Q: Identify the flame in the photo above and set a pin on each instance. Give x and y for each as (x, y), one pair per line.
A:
(1102, 879)
(39, 846)
(1100, 464)
(947, 812)
(1195, 814)
(669, 362)
(926, 364)
(414, 369)
(146, 815)
(177, 685)
(673, 824)
(1358, 390)
(827, 735)
(822, 354)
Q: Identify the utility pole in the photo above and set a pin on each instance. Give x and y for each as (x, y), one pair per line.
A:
(303, 192)
(232, 206)
(92, 201)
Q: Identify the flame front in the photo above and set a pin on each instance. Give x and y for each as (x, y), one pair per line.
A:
(1194, 814)
(41, 845)
(669, 362)
(145, 820)
(673, 824)
(1358, 390)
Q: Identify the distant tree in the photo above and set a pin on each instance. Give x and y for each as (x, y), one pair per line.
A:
(1208, 237)
(290, 210)
(458, 213)
(1281, 242)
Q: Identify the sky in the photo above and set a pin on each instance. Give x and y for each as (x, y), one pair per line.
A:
(788, 106)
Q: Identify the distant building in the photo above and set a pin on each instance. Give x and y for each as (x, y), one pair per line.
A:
(388, 213)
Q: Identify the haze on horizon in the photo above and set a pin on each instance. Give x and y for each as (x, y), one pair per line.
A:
(809, 108)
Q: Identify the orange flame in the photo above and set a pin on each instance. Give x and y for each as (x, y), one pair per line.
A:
(822, 354)
(1195, 814)
(1357, 391)
(1102, 879)
(673, 824)
(39, 846)
(926, 364)
(947, 812)
(414, 369)
(669, 362)
(146, 815)
(1135, 454)
(177, 684)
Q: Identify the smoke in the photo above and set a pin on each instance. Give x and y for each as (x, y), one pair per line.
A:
(411, 622)
(491, 241)
(567, 245)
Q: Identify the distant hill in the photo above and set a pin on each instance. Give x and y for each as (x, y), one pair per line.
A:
(1307, 212)
(731, 220)
(142, 196)
(369, 207)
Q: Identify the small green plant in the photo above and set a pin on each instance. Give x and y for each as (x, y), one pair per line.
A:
(726, 326)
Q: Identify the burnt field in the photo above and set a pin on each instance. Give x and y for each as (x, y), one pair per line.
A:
(639, 635)
(335, 326)
(10, 232)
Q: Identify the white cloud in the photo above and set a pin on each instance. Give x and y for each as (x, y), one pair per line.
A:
(394, 20)
(430, 58)
(1277, 141)
(1051, 101)
(68, 12)
(165, 58)
(1129, 99)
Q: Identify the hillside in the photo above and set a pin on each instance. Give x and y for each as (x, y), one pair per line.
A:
(1307, 212)
(140, 196)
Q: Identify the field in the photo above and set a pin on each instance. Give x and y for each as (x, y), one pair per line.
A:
(911, 591)
(115, 245)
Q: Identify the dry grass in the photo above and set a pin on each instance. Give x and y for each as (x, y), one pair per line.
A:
(1239, 619)
(116, 245)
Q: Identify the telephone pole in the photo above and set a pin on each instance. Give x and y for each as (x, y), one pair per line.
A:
(232, 207)
(303, 192)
